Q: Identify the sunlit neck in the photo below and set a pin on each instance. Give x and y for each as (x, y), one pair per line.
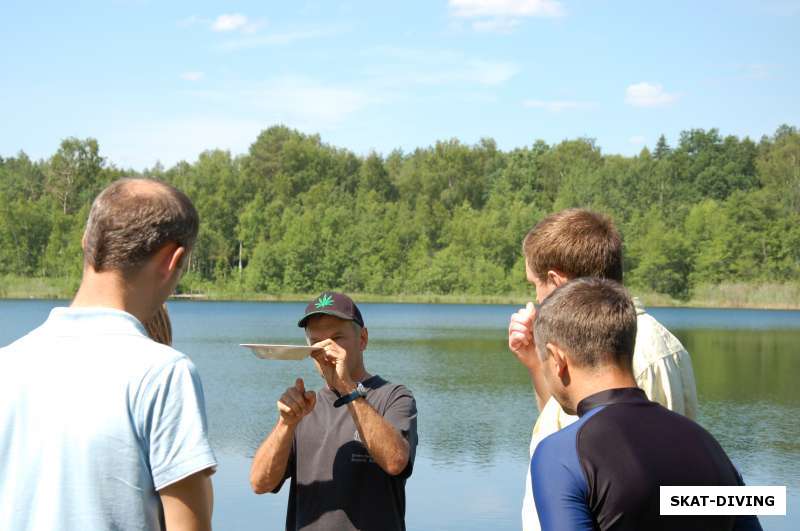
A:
(611, 378)
(110, 290)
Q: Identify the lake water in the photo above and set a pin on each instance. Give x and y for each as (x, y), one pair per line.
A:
(476, 405)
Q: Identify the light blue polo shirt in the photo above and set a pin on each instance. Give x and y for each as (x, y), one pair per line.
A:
(95, 418)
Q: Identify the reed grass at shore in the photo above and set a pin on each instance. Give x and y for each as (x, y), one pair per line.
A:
(727, 295)
(16, 287)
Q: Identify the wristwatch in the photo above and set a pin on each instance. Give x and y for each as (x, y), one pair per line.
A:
(359, 392)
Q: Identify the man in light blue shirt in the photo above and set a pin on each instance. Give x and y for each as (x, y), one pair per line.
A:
(101, 427)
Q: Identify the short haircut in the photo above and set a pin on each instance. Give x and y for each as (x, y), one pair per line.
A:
(132, 219)
(577, 242)
(592, 319)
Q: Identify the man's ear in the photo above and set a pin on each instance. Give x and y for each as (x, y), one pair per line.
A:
(364, 338)
(176, 257)
(560, 360)
(556, 277)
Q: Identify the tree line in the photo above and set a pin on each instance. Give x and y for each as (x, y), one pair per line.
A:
(296, 215)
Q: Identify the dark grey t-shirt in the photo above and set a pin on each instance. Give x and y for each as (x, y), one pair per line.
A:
(335, 484)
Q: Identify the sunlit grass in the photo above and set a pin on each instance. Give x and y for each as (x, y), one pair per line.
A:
(726, 295)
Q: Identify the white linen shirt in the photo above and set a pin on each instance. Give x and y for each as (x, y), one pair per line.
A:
(662, 368)
(95, 418)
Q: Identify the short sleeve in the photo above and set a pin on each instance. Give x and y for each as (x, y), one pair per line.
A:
(551, 419)
(560, 493)
(401, 412)
(174, 424)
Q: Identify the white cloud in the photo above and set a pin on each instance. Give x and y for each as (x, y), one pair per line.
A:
(277, 39)
(506, 8)
(556, 105)
(495, 25)
(648, 95)
(229, 22)
(502, 16)
(637, 140)
(192, 76)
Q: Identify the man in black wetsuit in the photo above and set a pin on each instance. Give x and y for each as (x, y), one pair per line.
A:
(604, 471)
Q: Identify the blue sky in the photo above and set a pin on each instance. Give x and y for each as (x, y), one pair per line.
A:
(162, 81)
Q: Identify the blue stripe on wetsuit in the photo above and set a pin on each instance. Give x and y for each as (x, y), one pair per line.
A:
(561, 493)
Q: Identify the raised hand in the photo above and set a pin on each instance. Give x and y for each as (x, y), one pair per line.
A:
(332, 362)
(520, 336)
(296, 403)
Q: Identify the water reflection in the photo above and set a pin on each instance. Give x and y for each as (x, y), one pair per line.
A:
(745, 365)
(475, 401)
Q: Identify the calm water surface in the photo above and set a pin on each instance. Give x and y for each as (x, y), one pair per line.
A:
(476, 406)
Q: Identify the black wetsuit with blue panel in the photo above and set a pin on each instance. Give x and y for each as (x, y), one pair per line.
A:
(604, 471)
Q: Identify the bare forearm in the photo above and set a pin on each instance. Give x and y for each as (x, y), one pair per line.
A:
(271, 459)
(385, 444)
(540, 388)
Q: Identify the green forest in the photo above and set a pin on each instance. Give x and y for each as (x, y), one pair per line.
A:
(295, 215)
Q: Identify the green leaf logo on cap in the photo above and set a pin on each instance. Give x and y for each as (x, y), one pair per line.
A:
(323, 301)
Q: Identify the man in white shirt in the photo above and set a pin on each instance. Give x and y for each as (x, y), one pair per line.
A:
(577, 243)
(100, 426)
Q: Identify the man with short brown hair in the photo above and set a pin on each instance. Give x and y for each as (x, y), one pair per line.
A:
(605, 470)
(580, 243)
(100, 426)
(575, 243)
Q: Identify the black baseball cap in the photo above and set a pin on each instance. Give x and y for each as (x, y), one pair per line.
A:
(332, 303)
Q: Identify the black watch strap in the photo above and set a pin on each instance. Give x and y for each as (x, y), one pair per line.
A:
(358, 392)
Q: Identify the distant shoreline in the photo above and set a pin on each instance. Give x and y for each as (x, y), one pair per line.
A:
(731, 296)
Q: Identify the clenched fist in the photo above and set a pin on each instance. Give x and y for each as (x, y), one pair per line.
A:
(520, 336)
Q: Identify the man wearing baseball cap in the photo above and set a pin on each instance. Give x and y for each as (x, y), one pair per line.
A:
(348, 448)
